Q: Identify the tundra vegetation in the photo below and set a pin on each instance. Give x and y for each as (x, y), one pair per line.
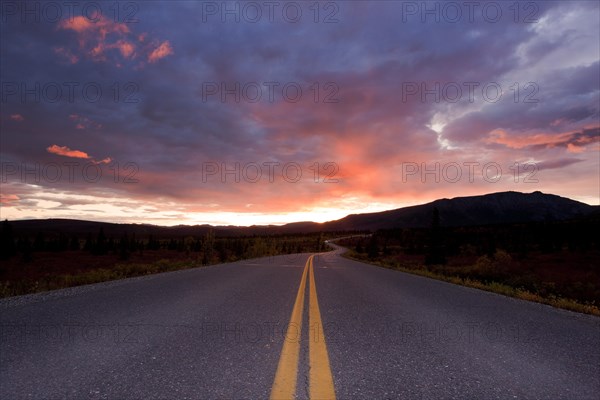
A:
(551, 262)
(47, 261)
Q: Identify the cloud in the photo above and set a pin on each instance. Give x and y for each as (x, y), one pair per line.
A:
(160, 52)
(126, 48)
(574, 142)
(67, 54)
(67, 152)
(558, 163)
(96, 38)
(8, 199)
(107, 160)
(82, 122)
(17, 117)
(102, 26)
(172, 131)
(540, 140)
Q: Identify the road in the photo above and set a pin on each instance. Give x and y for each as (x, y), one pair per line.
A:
(251, 330)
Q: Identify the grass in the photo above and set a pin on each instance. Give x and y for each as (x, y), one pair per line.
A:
(495, 287)
(118, 271)
(46, 270)
(71, 277)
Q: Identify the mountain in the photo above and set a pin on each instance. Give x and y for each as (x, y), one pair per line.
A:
(495, 208)
(81, 227)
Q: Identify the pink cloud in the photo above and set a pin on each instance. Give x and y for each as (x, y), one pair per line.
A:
(7, 199)
(17, 117)
(573, 148)
(161, 51)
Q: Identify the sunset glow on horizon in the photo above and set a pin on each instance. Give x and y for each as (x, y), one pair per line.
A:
(227, 114)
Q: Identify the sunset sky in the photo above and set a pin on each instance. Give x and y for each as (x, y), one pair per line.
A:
(186, 112)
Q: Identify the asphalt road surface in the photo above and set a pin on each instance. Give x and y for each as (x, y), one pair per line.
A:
(292, 326)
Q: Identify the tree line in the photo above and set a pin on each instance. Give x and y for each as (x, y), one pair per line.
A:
(437, 242)
(210, 247)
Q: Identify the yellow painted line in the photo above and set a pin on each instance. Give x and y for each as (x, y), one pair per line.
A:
(320, 378)
(284, 385)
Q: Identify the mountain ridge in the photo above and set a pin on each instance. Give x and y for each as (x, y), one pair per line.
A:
(492, 208)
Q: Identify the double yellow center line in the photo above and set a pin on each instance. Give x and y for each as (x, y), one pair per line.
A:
(320, 378)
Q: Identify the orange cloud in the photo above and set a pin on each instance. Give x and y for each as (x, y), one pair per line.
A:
(107, 160)
(126, 48)
(67, 152)
(161, 51)
(102, 26)
(97, 38)
(574, 142)
(78, 24)
(518, 142)
(93, 35)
